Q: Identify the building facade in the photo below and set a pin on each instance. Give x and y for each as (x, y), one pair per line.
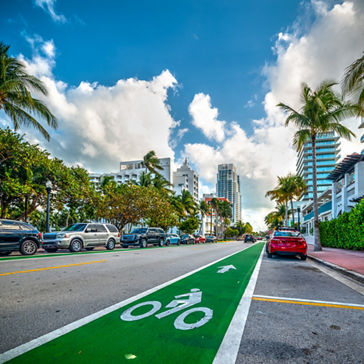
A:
(327, 154)
(347, 184)
(185, 178)
(210, 225)
(228, 186)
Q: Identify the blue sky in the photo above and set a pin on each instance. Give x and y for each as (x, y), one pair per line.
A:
(190, 78)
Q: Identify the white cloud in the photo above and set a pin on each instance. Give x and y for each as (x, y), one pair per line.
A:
(48, 6)
(98, 125)
(332, 43)
(204, 117)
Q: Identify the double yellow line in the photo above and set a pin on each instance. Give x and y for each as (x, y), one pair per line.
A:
(296, 301)
(55, 267)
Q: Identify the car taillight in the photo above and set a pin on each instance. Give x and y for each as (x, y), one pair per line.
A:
(275, 241)
(40, 236)
(118, 235)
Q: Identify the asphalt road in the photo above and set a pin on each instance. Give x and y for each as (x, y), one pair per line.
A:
(35, 303)
(293, 333)
(38, 302)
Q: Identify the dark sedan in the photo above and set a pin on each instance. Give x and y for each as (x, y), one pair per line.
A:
(187, 239)
(18, 236)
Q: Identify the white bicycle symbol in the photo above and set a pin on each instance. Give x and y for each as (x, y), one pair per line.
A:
(178, 304)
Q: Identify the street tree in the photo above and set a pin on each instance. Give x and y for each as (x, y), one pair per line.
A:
(151, 163)
(16, 99)
(322, 112)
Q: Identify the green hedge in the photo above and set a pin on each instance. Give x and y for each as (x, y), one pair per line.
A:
(346, 231)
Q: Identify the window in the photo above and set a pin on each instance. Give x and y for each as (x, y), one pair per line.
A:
(101, 228)
(112, 228)
(294, 234)
(10, 226)
(76, 227)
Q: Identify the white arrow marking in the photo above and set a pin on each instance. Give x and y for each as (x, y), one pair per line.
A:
(225, 268)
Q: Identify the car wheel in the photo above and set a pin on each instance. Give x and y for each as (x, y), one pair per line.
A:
(90, 248)
(269, 255)
(178, 242)
(50, 250)
(110, 244)
(160, 242)
(5, 253)
(303, 257)
(28, 247)
(167, 242)
(76, 245)
(143, 243)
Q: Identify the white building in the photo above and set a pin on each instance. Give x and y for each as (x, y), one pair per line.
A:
(347, 184)
(185, 178)
(131, 171)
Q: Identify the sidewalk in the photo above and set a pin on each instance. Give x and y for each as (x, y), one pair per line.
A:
(350, 260)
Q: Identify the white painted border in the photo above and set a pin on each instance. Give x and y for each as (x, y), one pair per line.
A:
(229, 347)
(310, 301)
(12, 353)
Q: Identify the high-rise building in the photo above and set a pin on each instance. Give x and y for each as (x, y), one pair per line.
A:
(327, 154)
(228, 186)
(185, 178)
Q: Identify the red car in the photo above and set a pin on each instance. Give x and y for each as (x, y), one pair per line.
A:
(287, 241)
(200, 239)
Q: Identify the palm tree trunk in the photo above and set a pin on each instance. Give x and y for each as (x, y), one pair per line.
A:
(292, 211)
(286, 214)
(317, 242)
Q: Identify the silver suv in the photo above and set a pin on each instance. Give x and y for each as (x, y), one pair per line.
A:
(82, 235)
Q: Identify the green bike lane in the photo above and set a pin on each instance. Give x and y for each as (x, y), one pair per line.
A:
(192, 332)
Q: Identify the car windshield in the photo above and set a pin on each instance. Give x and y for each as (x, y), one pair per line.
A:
(139, 231)
(294, 234)
(75, 227)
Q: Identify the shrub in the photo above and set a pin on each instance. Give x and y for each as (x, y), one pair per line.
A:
(346, 231)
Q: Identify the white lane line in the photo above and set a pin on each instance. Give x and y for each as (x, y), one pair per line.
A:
(12, 353)
(229, 347)
(306, 300)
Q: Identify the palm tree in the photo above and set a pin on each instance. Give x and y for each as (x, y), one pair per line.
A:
(204, 209)
(151, 162)
(162, 184)
(275, 218)
(15, 95)
(214, 206)
(279, 194)
(321, 112)
(353, 82)
(145, 179)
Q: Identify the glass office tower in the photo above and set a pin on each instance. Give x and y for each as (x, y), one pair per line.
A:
(327, 154)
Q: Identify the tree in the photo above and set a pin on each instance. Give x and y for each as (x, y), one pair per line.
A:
(189, 225)
(240, 226)
(322, 112)
(353, 82)
(248, 228)
(275, 218)
(151, 163)
(15, 95)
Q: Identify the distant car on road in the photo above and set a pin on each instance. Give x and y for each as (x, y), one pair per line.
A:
(249, 238)
(287, 241)
(187, 239)
(18, 236)
(211, 239)
(82, 235)
(200, 239)
(142, 237)
(172, 239)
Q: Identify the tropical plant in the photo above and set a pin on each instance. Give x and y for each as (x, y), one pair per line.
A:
(353, 82)
(189, 225)
(16, 99)
(151, 162)
(322, 112)
(275, 218)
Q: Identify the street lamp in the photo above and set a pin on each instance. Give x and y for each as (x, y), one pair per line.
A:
(48, 188)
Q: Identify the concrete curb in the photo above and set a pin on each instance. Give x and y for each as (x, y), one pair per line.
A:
(353, 275)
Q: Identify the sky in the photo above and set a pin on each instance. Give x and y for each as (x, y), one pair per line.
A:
(197, 79)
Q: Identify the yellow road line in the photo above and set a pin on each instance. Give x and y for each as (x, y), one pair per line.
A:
(49, 268)
(308, 303)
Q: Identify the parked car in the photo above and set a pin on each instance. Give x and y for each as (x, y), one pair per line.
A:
(81, 235)
(287, 241)
(200, 239)
(211, 239)
(172, 239)
(249, 238)
(142, 237)
(187, 239)
(18, 236)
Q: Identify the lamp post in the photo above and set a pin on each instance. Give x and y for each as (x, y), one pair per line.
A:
(298, 218)
(48, 188)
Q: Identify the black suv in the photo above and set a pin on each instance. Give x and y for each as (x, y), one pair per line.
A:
(250, 238)
(142, 237)
(18, 236)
